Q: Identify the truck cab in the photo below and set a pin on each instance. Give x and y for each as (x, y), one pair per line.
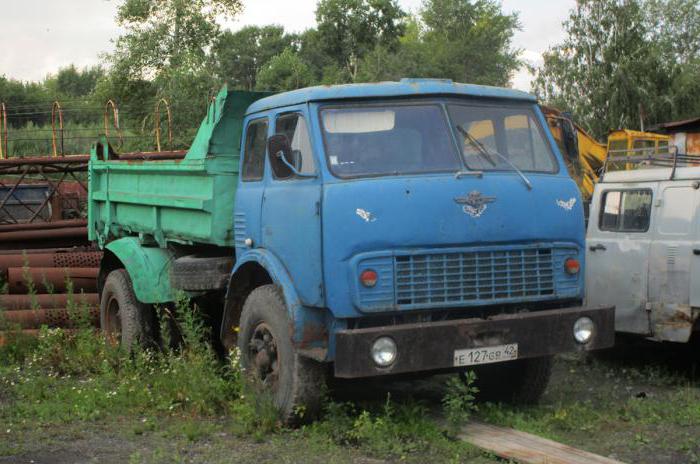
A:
(418, 226)
(643, 251)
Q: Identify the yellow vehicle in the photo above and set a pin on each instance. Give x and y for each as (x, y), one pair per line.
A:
(585, 156)
(630, 142)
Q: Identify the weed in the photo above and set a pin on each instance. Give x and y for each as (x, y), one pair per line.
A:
(458, 402)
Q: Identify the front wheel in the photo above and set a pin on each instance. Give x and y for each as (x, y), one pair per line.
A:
(267, 352)
(522, 381)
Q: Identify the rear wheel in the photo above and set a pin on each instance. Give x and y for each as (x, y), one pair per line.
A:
(267, 352)
(522, 382)
(123, 319)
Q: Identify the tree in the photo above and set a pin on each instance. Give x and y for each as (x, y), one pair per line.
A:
(164, 53)
(470, 41)
(286, 71)
(349, 29)
(239, 56)
(164, 34)
(624, 62)
(73, 82)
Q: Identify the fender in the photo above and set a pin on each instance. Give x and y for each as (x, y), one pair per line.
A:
(148, 267)
(309, 326)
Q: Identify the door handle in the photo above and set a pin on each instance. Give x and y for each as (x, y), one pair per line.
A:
(599, 247)
(696, 252)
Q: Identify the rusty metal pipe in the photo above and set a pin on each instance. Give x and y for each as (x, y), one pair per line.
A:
(84, 159)
(61, 260)
(54, 109)
(22, 236)
(3, 132)
(11, 336)
(8, 337)
(49, 280)
(47, 301)
(56, 317)
(43, 225)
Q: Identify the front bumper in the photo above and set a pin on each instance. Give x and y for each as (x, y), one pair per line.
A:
(431, 346)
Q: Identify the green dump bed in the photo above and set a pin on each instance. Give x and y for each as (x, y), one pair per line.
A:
(187, 201)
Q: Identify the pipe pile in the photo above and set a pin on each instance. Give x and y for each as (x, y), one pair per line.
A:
(37, 284)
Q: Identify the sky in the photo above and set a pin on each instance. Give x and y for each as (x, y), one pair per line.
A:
(40, 36)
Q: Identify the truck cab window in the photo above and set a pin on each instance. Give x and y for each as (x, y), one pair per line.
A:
(626, 211)
(295, 128)
(491, 135)
(388, 140)
(255, 147)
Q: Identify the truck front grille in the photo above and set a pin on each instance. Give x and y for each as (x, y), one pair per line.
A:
(470, 277)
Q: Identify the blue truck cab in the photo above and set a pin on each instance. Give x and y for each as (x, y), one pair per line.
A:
(418, 226)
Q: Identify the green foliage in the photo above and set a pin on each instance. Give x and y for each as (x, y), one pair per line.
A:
(349, 29)
(458, 402)
(470, 41)
(240, 56)
(395, 430)
(624, 61)
(285, 71)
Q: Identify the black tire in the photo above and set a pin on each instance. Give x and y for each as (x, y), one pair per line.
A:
(520, 382)
(123, 318)
(295, 382)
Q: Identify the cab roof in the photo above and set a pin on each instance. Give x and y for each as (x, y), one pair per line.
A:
(403, 88)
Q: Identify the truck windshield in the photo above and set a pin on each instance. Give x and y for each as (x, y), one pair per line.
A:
(388, 140)
(501, 138)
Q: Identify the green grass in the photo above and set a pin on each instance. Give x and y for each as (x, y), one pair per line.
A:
(188, 394)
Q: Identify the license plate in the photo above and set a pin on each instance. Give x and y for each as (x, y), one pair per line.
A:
(486, 355)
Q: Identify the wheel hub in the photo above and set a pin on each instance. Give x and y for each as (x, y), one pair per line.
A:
(114, 323)
(263, 355)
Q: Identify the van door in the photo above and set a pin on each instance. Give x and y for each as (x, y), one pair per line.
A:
(671, 259)
(617, 255)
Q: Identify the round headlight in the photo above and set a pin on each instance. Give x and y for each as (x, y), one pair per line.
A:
(583, 330)
(384, 351)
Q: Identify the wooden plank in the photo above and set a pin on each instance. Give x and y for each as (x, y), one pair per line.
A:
(526, 448)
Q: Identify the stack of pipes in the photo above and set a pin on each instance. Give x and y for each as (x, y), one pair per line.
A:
(52, 287)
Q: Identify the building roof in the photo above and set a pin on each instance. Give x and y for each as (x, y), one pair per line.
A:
(678, 126)
(651, 175)
(404, 88)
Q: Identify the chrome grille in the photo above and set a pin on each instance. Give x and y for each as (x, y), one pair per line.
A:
(478, 276)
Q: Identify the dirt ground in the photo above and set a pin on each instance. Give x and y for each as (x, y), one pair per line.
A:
(639, 403)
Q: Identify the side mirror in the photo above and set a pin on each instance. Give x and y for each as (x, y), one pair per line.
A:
(570, 138)
(285, 161)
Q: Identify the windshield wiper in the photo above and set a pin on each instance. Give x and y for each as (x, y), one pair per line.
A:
(478, 145)
(488, 156)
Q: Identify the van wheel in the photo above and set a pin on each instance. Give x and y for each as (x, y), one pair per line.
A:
(267, 353)
(521, 382)
(123, 319)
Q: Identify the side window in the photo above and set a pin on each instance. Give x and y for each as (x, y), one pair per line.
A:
(255, 147)
(295, 128)
(625, 211)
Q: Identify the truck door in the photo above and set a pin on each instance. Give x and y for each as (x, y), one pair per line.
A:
(246, 218)
(291, 213)
(617, 255)
(672, 262)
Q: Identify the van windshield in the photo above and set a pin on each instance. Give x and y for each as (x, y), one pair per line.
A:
(388, 140)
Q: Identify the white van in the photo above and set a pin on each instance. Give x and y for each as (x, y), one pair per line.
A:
(643, 251)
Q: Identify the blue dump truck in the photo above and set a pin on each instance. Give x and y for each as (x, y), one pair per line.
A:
(355, 231)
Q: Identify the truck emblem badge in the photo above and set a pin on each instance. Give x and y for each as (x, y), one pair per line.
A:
(567, 205)
(365, 215)
(475, 203)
